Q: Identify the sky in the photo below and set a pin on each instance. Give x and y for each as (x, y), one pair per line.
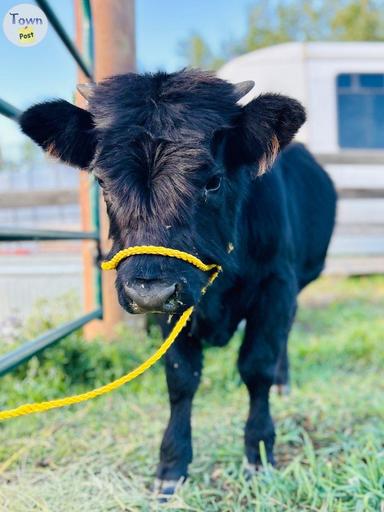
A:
(32, 74)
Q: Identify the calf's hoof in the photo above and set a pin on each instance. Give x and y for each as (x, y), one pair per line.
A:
(281, 389)
(251, 470)
(164, 489)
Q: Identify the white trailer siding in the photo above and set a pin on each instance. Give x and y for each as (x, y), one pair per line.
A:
(308, 72)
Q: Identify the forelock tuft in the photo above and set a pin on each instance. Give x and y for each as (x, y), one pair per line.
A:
(154, 133)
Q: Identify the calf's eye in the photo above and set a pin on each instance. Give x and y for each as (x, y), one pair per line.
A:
(213, 184)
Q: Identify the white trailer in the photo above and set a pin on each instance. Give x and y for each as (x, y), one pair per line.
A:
(341, 85)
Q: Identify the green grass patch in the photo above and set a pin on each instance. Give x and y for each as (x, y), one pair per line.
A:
(101, 456)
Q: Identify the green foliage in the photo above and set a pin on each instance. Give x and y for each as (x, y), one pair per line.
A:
(47, 314)
(102, 455)
(281, 21)
(72, 362)
(198, 54)
(359, 20)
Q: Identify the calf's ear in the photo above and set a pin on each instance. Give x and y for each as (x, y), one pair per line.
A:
(62, 130)
(266, 125)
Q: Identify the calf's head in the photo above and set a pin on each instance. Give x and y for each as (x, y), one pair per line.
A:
(174, 155)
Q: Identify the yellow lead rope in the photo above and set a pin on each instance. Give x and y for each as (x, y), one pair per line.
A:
(25, 409)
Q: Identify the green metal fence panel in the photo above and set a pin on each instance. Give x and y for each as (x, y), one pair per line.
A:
(49, 338)
(94, 194)
(60, 31)
(8, 110)
(85, 62)
(8, 234)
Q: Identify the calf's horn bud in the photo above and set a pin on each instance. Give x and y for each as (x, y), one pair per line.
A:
(86, 89)
(243, 88)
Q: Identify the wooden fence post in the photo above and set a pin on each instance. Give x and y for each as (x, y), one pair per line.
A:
(114, 51)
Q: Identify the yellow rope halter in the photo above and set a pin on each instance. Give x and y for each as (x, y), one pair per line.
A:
(25, 409)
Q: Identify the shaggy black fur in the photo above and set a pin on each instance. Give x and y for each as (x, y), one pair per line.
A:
(180, 164)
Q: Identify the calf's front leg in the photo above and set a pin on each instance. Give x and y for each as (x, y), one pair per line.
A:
(264, 344)
(183, 365)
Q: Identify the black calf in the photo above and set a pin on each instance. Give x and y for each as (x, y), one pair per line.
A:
(182, 165)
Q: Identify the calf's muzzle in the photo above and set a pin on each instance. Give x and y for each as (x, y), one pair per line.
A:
(152, 296)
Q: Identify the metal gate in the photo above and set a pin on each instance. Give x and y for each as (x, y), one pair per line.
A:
(85, 62)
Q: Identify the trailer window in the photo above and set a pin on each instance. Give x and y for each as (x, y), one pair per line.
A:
(360, 105)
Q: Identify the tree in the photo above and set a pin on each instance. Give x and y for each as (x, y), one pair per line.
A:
(280, 21)
(360, 20)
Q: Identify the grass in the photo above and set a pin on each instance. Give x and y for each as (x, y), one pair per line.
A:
(101, 456)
